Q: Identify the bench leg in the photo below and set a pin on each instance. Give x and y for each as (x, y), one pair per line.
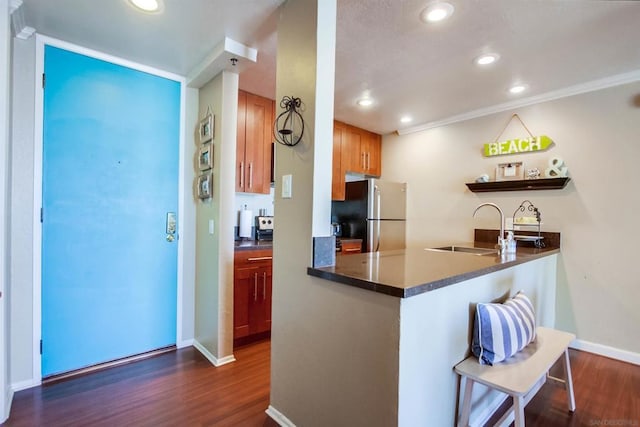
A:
(518, 406)
(466, 403)
(569, 382)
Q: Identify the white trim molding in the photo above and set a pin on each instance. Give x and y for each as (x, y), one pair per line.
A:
(214, 360)
(279, 417)
(185, 343)
(20, 28)
(23, 385)
(592, 86)
(606, 351)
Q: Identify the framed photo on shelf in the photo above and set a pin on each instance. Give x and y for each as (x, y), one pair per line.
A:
(205, 157)
(206, 128)
(513, 171)
(205, 183)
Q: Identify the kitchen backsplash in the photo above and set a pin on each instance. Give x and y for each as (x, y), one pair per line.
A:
(254, 203)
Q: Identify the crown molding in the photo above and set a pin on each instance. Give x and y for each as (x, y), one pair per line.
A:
(229, 55)
(592, 86)
(14, 5)
(20, 29)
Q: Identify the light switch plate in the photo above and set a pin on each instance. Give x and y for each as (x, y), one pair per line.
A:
(210, 226)
(286, 186)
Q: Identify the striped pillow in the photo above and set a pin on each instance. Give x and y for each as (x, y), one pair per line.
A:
(502, 330)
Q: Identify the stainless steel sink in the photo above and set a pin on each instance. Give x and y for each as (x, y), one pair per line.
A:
(466, 249)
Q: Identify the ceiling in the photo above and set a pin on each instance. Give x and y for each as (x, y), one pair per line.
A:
(382, 48)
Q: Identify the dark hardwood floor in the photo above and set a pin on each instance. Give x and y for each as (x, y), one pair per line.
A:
(181, 388)
(607, 393)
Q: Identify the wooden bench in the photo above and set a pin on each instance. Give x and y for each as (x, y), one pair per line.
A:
(520, 376)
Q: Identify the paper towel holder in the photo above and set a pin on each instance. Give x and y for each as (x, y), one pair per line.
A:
(245, 218)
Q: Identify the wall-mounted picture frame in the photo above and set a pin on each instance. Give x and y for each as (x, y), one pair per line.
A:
(205, 157)
(205, 186)
(513, 171)
(206, 128)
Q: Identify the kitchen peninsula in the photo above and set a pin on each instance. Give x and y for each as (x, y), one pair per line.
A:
(433, 296)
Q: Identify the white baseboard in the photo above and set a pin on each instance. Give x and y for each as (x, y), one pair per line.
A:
(7, 405)
(214, 360)
(185, 343)
(278, 417)
(605, 350)
(23, 385)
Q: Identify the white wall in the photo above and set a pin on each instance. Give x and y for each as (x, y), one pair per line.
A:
(187, 230)
(596, 134)
(254, 202)
(214, 252)
(5, 78)
(22, 210)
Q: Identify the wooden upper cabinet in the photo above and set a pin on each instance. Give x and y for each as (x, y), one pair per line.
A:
(337, 182)
(241, 140)
(351, 155)
(253, 156)
(371, 149)
(361, 151)
(355, 150)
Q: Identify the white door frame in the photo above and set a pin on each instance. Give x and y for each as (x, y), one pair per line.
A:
(5, 73)
(41, 41)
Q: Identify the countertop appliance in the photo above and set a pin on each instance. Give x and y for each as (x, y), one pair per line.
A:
(374, 211)
(264, 228)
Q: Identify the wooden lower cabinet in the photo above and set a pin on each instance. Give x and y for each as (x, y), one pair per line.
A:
(252, 285)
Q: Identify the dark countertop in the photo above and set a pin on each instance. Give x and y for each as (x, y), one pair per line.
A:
(247, 245)
(408, 272)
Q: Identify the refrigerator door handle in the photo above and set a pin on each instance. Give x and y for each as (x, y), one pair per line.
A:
(378, 202)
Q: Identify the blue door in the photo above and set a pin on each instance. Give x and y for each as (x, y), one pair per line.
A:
(110, 177)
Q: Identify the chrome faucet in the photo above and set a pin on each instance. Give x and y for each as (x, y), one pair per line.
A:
(502, 242)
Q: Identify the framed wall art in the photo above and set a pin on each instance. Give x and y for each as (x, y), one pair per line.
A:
(205, 184)
(510, 171)
(205, 157)
(206, 128)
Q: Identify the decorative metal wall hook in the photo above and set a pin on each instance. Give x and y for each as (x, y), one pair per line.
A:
(289, 126)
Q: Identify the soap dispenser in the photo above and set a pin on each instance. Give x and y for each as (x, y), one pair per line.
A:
(511, 243)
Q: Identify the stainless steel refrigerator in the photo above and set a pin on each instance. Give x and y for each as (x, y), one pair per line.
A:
(374, 211)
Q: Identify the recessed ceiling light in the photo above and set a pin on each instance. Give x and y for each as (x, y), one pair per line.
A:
(365, 102)
(486, 59)
(519, 88)
(147, 5)
(436, 12)
(405, 119)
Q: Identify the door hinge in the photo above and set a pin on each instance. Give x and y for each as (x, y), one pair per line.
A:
(40, 346)
(43, 80)
(41, 215)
